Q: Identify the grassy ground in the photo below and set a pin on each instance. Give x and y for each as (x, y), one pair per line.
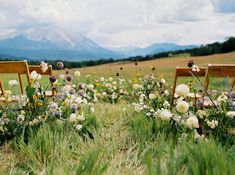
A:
(123, 143)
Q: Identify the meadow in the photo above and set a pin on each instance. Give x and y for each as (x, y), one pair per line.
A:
(118, 140)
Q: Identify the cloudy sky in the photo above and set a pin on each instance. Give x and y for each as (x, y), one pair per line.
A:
(118, 23)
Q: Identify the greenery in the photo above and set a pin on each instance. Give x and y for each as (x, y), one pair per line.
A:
(128, 127)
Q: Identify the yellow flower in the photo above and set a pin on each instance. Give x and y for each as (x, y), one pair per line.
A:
(39, 103)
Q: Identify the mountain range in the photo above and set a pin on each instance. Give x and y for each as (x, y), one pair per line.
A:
(54, 43)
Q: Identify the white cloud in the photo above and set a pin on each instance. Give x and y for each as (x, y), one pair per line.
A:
(124, 22)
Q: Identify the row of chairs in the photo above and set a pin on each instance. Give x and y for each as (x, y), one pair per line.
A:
(21, 68)
(212, 70)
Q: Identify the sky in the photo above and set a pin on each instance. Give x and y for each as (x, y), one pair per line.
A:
(120, 23)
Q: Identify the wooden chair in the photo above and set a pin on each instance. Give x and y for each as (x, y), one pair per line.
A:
(48, 72)
(185, 72)
(18, 67)
(220, 70)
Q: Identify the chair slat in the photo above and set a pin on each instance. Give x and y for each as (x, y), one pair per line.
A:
(39, 70)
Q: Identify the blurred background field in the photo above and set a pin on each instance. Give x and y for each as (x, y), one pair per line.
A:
(162, 68)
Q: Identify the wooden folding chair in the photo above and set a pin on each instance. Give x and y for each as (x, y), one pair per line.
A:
(185, 72)
(18, 67)
(48, 72)
(219, 70)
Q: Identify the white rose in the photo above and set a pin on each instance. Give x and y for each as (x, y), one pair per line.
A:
(34, 75)
(72, 118)
(230, 114)
(163, 81)
(152, 96)
(182, 90)
(44, 66)
(192, 122)
(182, 106)
(77, 73)
(165, 115)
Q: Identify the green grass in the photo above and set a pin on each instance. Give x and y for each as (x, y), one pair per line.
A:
(123, 142)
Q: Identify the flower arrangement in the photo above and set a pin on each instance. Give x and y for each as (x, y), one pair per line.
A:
(69, 106)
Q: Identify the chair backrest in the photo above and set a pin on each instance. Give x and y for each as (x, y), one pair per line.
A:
(185, 72)
(220, 70)
(18, 67)
(39, 70)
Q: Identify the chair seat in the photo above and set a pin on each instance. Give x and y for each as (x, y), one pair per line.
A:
(13, 99)
(47, 94)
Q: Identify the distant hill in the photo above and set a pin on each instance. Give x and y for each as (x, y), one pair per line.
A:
(54, 43)
(152, 49)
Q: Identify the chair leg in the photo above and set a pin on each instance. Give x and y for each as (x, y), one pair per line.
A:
(1, 87)
(173, 90)
(206, 84)
(21, 84)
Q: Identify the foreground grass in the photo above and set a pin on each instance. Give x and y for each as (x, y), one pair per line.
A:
(122, 143)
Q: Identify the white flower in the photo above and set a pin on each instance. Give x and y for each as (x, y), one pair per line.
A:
(163, 81)
(201, 114)
(165, 115)
(44, 66)
(166, 92)
(84, 100)
(182, 90)
(231, 114)
(20, 119)
(92, 109)
(13, 83)
(136, 86)
(192, 122)
(166, 104)
(35, 76)
(110, 79)
(81, 117)
(78, 127)
(72, 118)
(90, 86)
(77, 73)
(102, 79)
(195, 68)
(138, 108)
(152, 96)
(222, 98)
(177, 118)
(182, 106)
(212, 124)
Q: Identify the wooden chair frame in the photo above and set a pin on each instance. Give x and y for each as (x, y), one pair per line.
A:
(185, 72)
(219, 70)
(48, 72)
(18, 67)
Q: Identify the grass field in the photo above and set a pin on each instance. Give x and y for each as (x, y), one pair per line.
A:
(164, 67)
(124, 142)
